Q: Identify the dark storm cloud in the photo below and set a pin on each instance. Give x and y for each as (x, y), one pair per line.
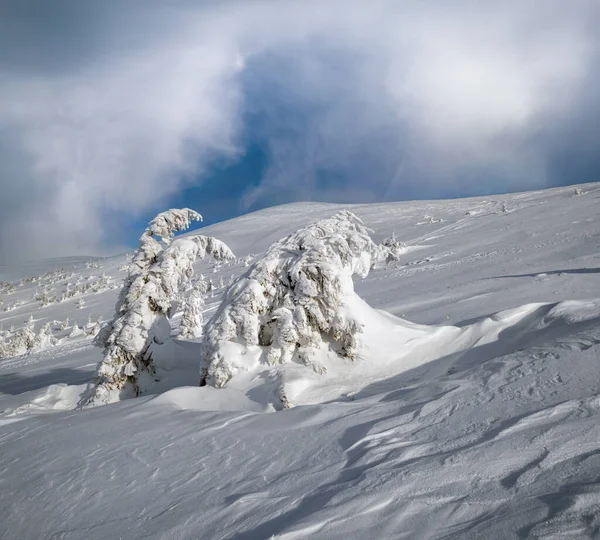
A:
(108, 108)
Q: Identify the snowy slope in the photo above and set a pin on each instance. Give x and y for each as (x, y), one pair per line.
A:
(475, 415)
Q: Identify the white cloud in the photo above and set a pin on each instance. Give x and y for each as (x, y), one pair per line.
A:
(439, 85)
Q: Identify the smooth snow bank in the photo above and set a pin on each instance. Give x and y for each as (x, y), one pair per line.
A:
(193, 398)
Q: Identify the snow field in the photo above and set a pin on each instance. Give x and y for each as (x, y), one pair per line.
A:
(471, 411)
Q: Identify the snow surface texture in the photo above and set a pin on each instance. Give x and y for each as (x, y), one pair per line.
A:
(291, 304)
(159, 272)
(480, 418)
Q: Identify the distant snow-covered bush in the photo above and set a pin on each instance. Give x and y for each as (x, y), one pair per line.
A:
(247, 259)
(292, 300)
(430, 220)
(19, 342)
(393, 248)
(7, 287)
(14, 305)
(76, 331)
(159, 272)
(25, 340)
(45, 337)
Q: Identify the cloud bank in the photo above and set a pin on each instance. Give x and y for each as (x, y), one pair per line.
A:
(109, 108)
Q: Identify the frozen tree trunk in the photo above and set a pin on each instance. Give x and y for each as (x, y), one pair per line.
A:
(159, 272)
(291, 301)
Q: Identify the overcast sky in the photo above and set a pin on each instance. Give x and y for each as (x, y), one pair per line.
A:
(113, 110)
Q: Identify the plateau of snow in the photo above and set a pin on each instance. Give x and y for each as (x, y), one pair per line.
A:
(472, 409)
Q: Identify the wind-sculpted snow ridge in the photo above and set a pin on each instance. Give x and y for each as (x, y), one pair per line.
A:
(159, 272)
(291, 303)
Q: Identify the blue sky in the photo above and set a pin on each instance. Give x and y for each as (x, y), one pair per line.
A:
(112, 111)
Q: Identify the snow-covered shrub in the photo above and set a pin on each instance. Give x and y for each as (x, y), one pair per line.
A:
(13, 305)
(94, 329)
(45, 338)
(159, 272)
(19, 342)
(192, 319)
(76, 331)
(43, 298)
(247, 259)
(25, 340)
(430, 220)
(393, 248)
(7, 287)
(291, 301)
(91, 285)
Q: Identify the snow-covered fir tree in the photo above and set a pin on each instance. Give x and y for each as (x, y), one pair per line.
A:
(19, 342)
(291, 301)
(393, 247)
(192, 319)
(45, 337)
(159, 272)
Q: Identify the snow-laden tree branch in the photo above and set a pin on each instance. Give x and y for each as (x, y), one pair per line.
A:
(159, 273)
(291, 301)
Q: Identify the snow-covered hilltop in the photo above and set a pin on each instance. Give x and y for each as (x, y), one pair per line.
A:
(453, 392)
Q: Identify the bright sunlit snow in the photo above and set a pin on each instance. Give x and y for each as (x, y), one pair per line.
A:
(466, 403)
